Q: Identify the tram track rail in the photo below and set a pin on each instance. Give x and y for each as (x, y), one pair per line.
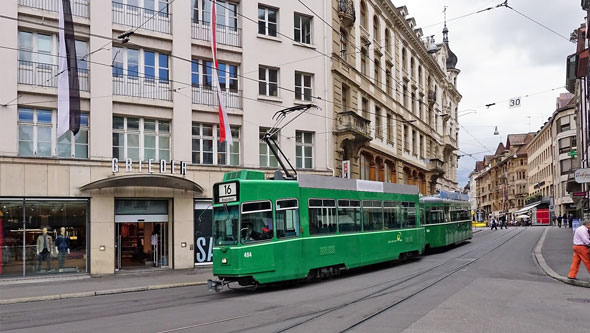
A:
(389, 284)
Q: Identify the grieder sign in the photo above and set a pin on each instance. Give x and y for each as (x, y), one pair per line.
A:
(174, 166)
(582, 176)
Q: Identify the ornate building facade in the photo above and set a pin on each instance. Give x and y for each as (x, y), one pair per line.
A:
(396, 100)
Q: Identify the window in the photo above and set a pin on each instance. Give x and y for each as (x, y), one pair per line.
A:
(287, 218)
(349, 216)
(256, 221)
(365, 108)
(376, 29)
(565, 166)
(388, 86)
(408, 213)
(567, 144)
(207, 147)
(343, 44)
(345, 92)
(389, 128)
(127, 62)
(390, 215)
(364, 22)
(304, 150)
(42, 48)
(377, 70)
(406, 139)
(364, 59)
(265, 156)
(267, 21)
(303, 86)
(564, 124)
(322, 216)
(37, 135)
(378, 127)
(372, 215)
(227, 14)
(201, 73)
(302, 29)
(404, 59)
(414, 143)
(268, 81)
(141, 139)
(388, 41)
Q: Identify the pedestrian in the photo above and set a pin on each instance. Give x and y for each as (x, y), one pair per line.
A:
(494, 224)
(565, 224)
(503, 222)
(570, 219)
(559, 221)
(553, 223)
(581, 245)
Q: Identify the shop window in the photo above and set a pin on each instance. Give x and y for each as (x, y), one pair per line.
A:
(43, 237)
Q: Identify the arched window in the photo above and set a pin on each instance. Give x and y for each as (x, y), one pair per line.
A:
(404, 59)
(343, 44)
(364, 22)
(387, 41)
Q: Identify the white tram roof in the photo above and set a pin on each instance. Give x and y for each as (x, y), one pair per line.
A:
(336, 183)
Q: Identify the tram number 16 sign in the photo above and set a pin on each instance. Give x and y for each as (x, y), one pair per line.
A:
(227, 192)
(514, 102)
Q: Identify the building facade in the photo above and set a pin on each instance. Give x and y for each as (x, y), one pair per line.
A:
(501, 185)
(540, 162)
(564, 145)
(133, 187)
(395, 98)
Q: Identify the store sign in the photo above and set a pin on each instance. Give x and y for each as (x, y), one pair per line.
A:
(579, 194)
(203, 232)
(582, 176)
(174, 167)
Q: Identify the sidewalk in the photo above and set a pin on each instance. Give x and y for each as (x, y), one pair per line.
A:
(554, 254)
(84, 286)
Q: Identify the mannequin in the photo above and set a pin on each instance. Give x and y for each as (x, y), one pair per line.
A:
(62, 242)
(44, 246)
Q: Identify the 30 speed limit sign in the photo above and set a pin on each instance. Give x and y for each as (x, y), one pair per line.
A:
(514, 102)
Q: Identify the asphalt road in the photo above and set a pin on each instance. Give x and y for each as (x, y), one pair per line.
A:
(490, 284)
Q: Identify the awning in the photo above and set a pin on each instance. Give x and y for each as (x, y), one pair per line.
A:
(148, 180)
(527, 208)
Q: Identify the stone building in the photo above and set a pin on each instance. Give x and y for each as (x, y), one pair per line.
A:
(395, 98)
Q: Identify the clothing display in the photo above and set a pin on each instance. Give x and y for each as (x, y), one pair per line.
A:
(62, 242)
(44, 248)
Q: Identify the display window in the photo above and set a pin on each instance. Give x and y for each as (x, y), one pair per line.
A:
(43, 236)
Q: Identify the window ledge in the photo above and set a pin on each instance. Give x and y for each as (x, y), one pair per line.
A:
(302, 102)
(270, 98)
(309, 46)
(274, 39)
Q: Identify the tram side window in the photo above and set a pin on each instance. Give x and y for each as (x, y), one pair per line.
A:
(372, 215)
(349, 216)
(434, 215)
(409, 209)
(256, 221)
(392, 220)
(287, 218)
(322, 216)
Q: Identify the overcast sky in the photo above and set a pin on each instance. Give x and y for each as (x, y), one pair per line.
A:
(502, 55)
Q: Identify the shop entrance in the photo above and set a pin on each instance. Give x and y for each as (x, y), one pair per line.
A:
(142, 245)
(141, 234)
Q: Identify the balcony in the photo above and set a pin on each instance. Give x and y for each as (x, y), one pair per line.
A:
(79, 7)
(148, 19)
(142, 87)
(346, 12)
(225, 35)
(450, 141)
(45, 75)
(436, 165)
(349, 122)
(207, 95)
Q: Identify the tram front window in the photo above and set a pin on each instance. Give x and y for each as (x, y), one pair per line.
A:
(256, 222)
(225, 225)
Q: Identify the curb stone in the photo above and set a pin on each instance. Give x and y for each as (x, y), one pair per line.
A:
(548, 270)
(99, 293)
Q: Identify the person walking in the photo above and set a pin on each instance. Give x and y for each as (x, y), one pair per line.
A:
(565, 221)
(570, 220)
(503, 222)
(581, 245)
(494, 224)
(559, 221)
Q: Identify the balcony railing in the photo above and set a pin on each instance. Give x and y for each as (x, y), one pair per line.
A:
(79, 7)
(148, 19)
(45, 75)
(225, 35)
(206, 95)
(142, 87)
(350, 121)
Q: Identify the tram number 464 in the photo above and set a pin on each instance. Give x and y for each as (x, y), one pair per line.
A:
(247, 254)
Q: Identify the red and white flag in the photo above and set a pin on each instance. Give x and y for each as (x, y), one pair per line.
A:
(224, 129)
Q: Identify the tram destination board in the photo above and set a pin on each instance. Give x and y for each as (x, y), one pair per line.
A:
(226, 192)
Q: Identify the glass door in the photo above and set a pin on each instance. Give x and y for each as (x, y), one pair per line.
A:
(141, 245)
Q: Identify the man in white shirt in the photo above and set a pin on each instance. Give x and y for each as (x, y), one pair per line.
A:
(581, 245)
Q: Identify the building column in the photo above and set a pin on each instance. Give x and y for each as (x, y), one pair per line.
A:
(8, 84)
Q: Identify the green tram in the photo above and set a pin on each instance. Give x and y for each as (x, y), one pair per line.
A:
(447, 219)
(267, 231)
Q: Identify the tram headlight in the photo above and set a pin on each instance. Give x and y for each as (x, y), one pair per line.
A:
(224, 260)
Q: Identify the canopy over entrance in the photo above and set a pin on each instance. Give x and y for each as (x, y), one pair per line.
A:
(148, 180)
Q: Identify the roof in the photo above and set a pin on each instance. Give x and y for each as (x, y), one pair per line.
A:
(500, 149)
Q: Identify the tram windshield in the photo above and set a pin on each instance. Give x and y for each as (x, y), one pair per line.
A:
(225, 225)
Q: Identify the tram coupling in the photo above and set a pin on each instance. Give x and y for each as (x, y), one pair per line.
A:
(215, 285)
